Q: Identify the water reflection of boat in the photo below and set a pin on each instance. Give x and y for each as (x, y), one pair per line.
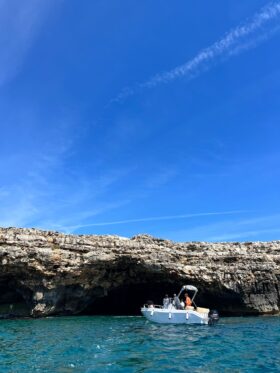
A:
(176, 312)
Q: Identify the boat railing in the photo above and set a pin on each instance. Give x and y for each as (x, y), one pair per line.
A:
(152, 306)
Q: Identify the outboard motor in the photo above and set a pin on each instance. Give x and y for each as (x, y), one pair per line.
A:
(213, 317)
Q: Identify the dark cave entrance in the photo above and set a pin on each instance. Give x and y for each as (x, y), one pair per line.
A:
(13, 299)
(140, 283)
(225, 301)
(127, 300)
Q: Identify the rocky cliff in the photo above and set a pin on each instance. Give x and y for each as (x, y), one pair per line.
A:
(49, 273)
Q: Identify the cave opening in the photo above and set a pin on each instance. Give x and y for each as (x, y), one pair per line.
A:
(13, 299)
(225, 301)
(126, 300)
(140, 283)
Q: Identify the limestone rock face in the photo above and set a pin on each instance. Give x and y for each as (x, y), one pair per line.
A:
(48, 273)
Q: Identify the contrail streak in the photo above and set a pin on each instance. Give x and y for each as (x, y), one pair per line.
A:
(155, 218)
(232, 43)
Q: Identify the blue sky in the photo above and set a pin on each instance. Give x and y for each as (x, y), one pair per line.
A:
(127, 117)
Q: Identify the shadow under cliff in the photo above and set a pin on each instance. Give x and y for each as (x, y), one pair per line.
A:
(127, 300)
(121, 287)
(13, 299)
(142, 283)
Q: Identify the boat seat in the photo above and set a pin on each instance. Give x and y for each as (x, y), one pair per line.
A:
(189, 308)
(202, 310)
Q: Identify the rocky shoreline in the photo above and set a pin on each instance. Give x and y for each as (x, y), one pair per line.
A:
(49, 273)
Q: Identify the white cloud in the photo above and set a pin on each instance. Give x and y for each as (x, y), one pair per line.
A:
(49, 197)
(41, 188)
(243, 37)
(20, 23)
(245, 234)
(159, 218)
(230, 230)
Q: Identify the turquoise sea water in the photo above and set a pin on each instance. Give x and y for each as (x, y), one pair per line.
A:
(132, 344)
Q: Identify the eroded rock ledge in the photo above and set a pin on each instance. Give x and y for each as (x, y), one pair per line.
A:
(48, 273)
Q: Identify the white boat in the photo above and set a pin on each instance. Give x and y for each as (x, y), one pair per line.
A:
(176, 313)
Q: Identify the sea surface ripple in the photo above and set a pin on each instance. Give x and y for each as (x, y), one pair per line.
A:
(132, 344)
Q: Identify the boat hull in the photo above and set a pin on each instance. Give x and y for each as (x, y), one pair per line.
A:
(165, 316)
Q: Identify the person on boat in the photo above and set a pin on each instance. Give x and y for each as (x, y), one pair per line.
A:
(188, 300)
(166, 301)
(176, 302)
